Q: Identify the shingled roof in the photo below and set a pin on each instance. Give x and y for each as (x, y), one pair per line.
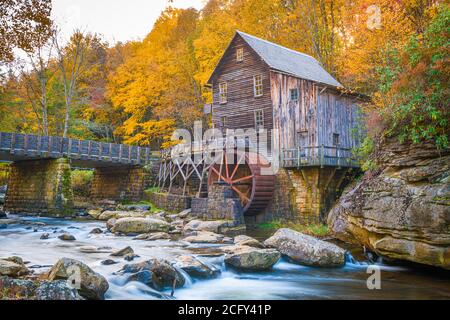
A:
(289, 61)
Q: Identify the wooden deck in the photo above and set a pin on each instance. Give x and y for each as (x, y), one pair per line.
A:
(320, 156)
(82, 153)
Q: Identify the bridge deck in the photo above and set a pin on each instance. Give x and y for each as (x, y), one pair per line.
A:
(83, 153)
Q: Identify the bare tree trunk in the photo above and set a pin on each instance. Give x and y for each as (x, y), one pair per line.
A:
(70, 68)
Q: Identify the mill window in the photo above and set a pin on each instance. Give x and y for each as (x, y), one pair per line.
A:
(259, 119)
(258, 85)
(294, 94)
(240, 54)
(336, 141)
(223, 91)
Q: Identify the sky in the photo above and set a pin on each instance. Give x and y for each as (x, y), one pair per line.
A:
(116, 20)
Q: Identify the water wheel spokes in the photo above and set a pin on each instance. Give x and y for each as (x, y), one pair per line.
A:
(244, 177)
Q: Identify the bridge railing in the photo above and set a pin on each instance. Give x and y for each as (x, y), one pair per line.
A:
(57, 147)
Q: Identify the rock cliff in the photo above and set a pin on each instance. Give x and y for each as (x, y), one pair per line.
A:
(402, 209)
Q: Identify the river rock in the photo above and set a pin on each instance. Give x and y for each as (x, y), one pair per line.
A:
(108, 262)
(305, 249)
(44, 236)
(401, 210)
(106, 215)
(12, 268)
(184, 214)
(95, 213)
(140, 225)
(243, 240)
(56, 290)
(96, 231)
(177, 223)
(110, 223)
(216, 226)
(92, 285)
(156, 273)
(37, 290)
(250, 258)
(67, 237)
(122, 252)
(158, 236)
(196, 268)
(207, 237)
(130, 256)
(135, 207)
(17, 288)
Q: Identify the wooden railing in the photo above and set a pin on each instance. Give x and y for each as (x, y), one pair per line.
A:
(318, 156)
(185, 149)
(34, 146)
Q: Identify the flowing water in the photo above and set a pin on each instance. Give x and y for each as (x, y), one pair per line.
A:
(285, 281)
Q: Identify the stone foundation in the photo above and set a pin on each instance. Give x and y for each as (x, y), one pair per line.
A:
(40, 187)
(169, 202)
(221, 204)
(118, 183)
(303, 195)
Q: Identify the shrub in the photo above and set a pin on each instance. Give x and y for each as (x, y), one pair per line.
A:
(81, 182)
(414, 95)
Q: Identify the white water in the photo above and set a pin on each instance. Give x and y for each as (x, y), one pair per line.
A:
(285, 281)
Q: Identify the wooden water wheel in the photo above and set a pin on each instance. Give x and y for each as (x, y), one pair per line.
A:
(254, 189)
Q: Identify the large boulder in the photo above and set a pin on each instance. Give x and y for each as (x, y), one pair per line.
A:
(306, 250)
(207, 237)
(195, 267)
(402, 209)
(106, 215)
(12, 268)
(251, 258)
(56, 290)
(37, 290)
(140, 225)
(216, 226)
(156, 273)
(91, 285)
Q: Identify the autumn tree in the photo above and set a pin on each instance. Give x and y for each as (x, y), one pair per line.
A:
(24, 24)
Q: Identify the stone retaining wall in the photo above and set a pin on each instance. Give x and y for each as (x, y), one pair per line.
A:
(169, 202)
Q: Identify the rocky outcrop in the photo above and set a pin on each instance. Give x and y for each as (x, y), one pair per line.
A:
(89, 283)
(306, 250)
(402, 209)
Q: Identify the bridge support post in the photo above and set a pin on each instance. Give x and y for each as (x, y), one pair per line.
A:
(40, 187)
(118, 184)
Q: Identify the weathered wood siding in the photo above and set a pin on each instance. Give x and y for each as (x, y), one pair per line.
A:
(292, 117)
(337, 115)
(241, 103)
(314, 117)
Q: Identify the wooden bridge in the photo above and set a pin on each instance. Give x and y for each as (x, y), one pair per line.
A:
(40, 174)
(82, 153)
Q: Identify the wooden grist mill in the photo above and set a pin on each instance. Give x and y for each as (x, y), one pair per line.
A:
(312, 126)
